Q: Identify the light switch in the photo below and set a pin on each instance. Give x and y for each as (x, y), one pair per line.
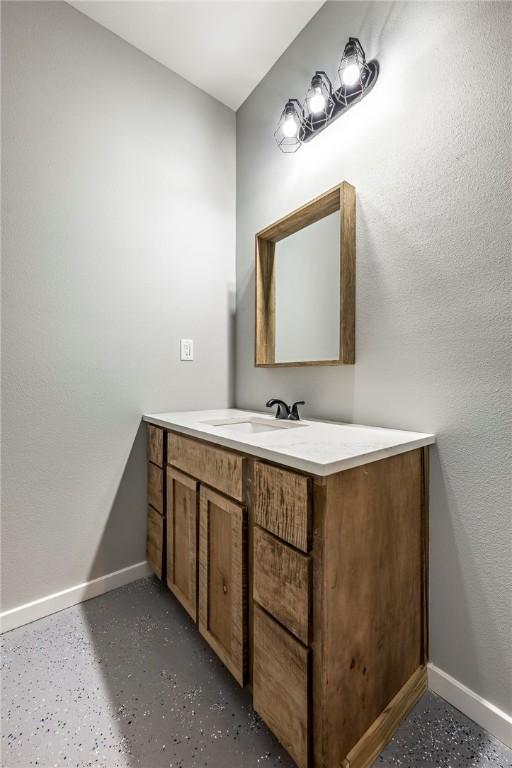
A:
(186, 349)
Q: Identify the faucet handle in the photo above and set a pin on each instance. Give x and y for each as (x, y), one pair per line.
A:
(294, 411)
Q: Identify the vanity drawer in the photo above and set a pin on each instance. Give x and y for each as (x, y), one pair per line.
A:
(156, 445)
(282, 504)
(281, 582)
(155, 541)
(214, 466)
(281, 680)
(156, 487)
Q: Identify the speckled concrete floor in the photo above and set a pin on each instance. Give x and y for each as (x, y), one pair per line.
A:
(125, 680)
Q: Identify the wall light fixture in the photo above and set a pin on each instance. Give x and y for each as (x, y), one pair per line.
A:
(323, 103)
(289, 133)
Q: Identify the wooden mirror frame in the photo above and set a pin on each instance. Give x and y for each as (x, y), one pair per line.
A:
(341, 198)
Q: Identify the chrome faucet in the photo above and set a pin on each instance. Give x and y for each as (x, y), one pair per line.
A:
(286, 411)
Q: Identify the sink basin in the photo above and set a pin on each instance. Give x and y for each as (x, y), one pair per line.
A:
(253, 425)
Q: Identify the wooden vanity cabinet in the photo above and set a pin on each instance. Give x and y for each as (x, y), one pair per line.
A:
(311, 589)
(350, 640)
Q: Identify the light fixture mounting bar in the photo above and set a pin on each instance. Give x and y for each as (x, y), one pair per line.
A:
(369, 78)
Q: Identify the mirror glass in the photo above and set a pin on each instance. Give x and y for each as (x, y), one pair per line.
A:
(307, 293)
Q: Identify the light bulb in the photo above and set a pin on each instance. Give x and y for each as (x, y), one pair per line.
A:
(290, 127)
(317, 101)
(351, 74)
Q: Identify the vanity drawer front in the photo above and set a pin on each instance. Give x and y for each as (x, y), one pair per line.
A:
(156, 487)
(156, 445)
(155, 541)
(281, 583)
(221, 469)
(281, 679)
(282, 504)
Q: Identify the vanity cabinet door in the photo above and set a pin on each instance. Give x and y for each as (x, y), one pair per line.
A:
(182, 510)
(223, 579)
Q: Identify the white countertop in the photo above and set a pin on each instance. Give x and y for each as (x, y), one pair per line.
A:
(318, 447)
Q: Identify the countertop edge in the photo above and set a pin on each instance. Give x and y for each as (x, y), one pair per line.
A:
(303, 465)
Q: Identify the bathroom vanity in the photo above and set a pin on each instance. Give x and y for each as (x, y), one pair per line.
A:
(300, 550)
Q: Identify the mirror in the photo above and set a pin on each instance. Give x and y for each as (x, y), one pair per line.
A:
(305, 284)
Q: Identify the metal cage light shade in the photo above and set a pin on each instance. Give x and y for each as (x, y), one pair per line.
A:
(354, 73)
(319, 103)
(289, 134)
(325, 102)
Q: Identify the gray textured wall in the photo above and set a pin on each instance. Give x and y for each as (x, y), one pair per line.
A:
(429, 153)
(119, 237)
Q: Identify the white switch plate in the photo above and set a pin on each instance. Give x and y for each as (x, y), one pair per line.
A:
(186, 349)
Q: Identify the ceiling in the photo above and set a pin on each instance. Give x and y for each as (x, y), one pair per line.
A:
(225, 48)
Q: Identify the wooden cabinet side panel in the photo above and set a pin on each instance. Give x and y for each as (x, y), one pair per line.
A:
(223, 579)
(319, 623)
(425, 554)
(368, 748)
(282, 504)
(372, 592)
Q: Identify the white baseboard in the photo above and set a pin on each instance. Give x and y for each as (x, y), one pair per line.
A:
(37, 609)
(485, 714)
